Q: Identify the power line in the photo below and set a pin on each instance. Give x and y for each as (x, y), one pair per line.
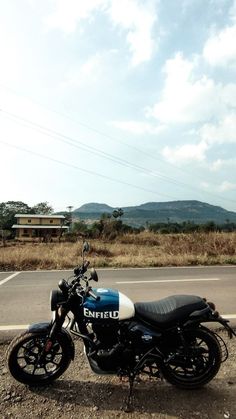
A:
(91, 172)
(143, 152)
(80, 145)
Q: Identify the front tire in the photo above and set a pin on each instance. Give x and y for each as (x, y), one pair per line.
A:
(196, 366)
(26, 365)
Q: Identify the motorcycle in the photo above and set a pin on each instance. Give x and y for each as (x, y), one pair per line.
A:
(164, 339)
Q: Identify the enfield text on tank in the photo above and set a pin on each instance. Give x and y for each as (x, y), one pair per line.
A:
(164, 339)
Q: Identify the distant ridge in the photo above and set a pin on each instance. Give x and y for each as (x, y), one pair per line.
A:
(153, 212)
(94, 207)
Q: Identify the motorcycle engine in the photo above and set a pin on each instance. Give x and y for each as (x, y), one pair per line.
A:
(112, 354)
(106, 335)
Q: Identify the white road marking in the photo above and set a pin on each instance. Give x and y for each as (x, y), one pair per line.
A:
(14, 327)
(150, 268)
(168, 280)
(9, 277)
(25, 326)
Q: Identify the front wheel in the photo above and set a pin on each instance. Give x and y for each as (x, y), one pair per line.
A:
(28, 363)
(196, 363)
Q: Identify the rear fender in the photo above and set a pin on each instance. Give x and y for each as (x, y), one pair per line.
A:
(212, 317)
(45, 328)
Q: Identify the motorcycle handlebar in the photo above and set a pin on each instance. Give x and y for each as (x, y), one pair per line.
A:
(80, 270)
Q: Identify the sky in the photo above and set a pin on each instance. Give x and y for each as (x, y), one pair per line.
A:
(118, 101)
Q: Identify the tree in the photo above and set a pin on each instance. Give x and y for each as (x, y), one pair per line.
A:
(79, 227)
(117, 213)
(209, 226)
(8, 210)
(105, 216)
(42, 208)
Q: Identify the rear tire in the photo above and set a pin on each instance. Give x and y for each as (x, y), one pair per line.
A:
(23, 358)
(199, 365)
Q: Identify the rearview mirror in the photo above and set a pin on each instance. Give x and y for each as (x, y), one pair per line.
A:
(86, 247)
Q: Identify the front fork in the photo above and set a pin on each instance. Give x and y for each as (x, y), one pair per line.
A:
(56, 328)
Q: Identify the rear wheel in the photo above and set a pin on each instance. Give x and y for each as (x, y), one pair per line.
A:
(28, 363)
(195, 364)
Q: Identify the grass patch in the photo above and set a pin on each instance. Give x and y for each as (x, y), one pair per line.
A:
(137, 250)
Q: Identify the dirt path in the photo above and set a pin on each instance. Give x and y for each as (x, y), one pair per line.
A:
(82, 394)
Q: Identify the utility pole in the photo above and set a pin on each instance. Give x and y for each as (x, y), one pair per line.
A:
(70, 207)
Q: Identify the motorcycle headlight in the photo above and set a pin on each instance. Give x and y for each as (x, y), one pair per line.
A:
(56, 297)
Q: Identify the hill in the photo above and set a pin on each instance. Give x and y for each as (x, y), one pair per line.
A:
(94, 207)
(154, 212)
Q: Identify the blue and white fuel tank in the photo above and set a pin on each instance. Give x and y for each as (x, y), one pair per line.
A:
(112, 305)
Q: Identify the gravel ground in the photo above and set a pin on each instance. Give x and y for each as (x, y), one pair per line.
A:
(79, 393)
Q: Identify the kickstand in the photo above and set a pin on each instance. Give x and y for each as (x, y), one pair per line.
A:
(128, 402)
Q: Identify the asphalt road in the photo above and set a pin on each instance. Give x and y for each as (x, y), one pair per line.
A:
(24, 296)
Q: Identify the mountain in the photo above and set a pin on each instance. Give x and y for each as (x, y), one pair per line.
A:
(153, 212)
(94, 207)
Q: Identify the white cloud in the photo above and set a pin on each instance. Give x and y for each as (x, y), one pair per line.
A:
(220, 49)
(86, 74)
(138, 127)
(11, 57)
(224, 186)
(186, 153)
(233, 11)
(228, 94)
(205, 185)
(223, 132)
(221, 164)
(227, 186)
(216, 165)
(185, 98)
(68, 13)
(135, 17)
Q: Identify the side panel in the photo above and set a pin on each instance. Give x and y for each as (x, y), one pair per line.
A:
(126, 307)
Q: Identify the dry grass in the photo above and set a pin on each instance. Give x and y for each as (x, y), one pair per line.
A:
(144, 249)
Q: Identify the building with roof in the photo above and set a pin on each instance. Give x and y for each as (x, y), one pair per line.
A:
(38, 227)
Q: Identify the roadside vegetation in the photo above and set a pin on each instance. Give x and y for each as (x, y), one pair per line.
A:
(138, 250)
(115, 244)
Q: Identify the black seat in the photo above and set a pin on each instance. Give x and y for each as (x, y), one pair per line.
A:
(169, 310)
